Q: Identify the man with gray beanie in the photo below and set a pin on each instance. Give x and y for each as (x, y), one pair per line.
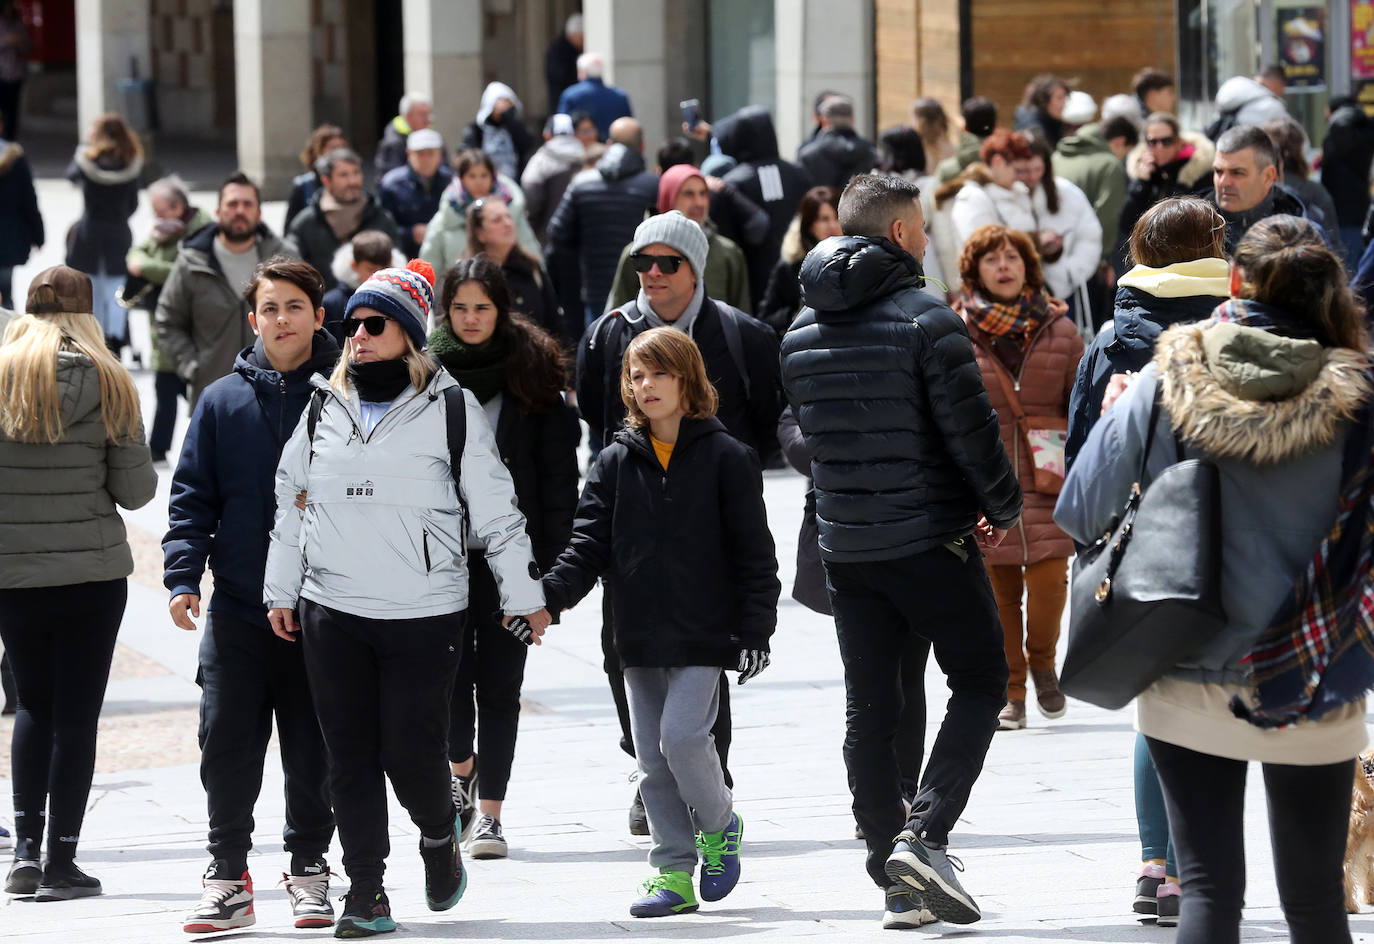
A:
(741, 354)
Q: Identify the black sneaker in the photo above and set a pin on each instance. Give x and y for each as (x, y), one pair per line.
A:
(639, 817)
(931, 871)
(445, 879)
(465, 800)
(226, 901)
(26, 871)
(366, 912)
(63, 881)
(1147, 889)
(487, 842)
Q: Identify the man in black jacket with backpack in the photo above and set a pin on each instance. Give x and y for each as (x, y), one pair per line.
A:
(910, 477)
(741, 355)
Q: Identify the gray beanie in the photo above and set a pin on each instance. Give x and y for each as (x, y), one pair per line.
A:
(674, 229)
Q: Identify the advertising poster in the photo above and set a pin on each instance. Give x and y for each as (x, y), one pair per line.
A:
(1302, 46)
(1361, 39)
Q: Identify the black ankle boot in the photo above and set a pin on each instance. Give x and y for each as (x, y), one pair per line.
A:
(63, 881)
(25, 872)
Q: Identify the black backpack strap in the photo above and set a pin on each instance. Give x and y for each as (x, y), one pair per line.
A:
(456, 427)
(312, 416)
(730, 328)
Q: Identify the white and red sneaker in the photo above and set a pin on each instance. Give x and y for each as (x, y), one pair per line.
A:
(225, 902)
(309, 892)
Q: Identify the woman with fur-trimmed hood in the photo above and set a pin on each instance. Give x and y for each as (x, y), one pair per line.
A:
(1276, 391)
(1168, 162)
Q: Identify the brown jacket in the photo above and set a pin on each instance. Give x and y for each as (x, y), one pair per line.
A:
(1046, 375)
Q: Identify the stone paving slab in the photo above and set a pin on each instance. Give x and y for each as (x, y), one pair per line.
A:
(1048, 839)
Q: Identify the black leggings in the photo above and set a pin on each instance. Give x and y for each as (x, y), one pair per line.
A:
(492, 667)
(1309, 811)
(60, 641)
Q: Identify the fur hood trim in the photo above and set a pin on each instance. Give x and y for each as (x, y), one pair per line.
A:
(108, 175)
(792, 249)
(1197, 167)
(342, 264)
(1228, 426)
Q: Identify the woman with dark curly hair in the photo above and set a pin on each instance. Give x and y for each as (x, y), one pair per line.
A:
(1042, 107)
(1028, 353)
(517, 371)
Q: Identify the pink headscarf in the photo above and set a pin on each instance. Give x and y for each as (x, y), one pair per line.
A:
(671, 182)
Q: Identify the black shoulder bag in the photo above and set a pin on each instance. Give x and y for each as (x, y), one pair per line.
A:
(1147, 596)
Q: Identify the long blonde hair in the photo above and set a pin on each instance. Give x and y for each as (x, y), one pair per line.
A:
(422, 367)
(30, 403)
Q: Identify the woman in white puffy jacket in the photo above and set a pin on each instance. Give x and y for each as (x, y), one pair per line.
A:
(1067, 232)
(997, 197)
(375, 568)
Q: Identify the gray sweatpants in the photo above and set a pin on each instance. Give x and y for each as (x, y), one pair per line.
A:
(671, 713)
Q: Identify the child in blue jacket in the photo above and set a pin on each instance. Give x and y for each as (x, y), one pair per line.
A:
(673, 508)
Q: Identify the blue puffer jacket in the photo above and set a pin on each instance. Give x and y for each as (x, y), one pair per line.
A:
(405, 195)
(1147, 301)
(223, 503)
(882, 378)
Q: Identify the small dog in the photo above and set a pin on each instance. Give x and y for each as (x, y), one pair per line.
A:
(1359, 843)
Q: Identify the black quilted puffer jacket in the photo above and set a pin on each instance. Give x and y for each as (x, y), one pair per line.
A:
(882, 378)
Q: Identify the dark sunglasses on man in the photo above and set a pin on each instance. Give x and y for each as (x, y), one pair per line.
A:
(373, 324)
(643, 262)
(1168, 141)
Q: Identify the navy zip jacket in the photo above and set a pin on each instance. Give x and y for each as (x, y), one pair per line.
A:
(691, 569)
(223, 502)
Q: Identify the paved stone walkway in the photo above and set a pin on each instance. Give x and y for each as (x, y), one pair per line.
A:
(1048, 840)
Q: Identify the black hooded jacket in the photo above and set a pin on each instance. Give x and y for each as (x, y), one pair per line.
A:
(598, 215)
(835, 155)
(882, 378)
(692, 566)
(772, 183)
(1346, 156)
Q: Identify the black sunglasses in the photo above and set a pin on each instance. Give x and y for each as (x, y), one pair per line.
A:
(1161, 142)
(375, 325)
(643, 262)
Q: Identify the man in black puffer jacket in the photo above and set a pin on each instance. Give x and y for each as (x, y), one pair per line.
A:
(837, 153)
(906, 457)
(599, 212)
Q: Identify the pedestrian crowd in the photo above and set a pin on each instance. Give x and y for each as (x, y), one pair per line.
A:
(977, 348)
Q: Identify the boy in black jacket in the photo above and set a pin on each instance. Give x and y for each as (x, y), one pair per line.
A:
(222, 508)
(674, 508)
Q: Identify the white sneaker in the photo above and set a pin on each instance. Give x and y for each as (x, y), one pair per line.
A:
(310, 899)
(225, 903)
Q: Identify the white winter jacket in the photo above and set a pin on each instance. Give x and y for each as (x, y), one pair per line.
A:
(383, 535)
(987, 204)
(1081, 230)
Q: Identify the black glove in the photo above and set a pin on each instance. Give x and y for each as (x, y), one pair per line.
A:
(751, 663)
(521, 629)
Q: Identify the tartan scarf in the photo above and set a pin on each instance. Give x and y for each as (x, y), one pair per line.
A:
(1016, 319)
(1318, 652)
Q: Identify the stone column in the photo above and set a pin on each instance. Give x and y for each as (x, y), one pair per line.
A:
(629, 34)
(822, 44)
(443, 59)
(110, 34)
(273, 85)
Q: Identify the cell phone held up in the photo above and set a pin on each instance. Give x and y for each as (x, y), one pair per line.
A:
(691, 112)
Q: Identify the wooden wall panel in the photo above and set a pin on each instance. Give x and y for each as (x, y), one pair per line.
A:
(1100, 43)
(916, 51)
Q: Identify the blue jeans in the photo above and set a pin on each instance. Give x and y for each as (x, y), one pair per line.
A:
(114, 320)
(1353, 238)
(1151, 817)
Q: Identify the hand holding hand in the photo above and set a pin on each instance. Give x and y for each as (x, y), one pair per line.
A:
(178, 607)
(751, 663)
(529, 628)
(283, 622)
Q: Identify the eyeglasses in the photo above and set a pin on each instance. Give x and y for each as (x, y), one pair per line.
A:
(643, 262)
(1170, 141)
(373, 324)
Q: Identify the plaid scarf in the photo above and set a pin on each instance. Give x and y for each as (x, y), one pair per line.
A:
(1017, 319)
(1318, 652)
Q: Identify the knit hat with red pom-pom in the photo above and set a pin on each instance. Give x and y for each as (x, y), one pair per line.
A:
(406, 295)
